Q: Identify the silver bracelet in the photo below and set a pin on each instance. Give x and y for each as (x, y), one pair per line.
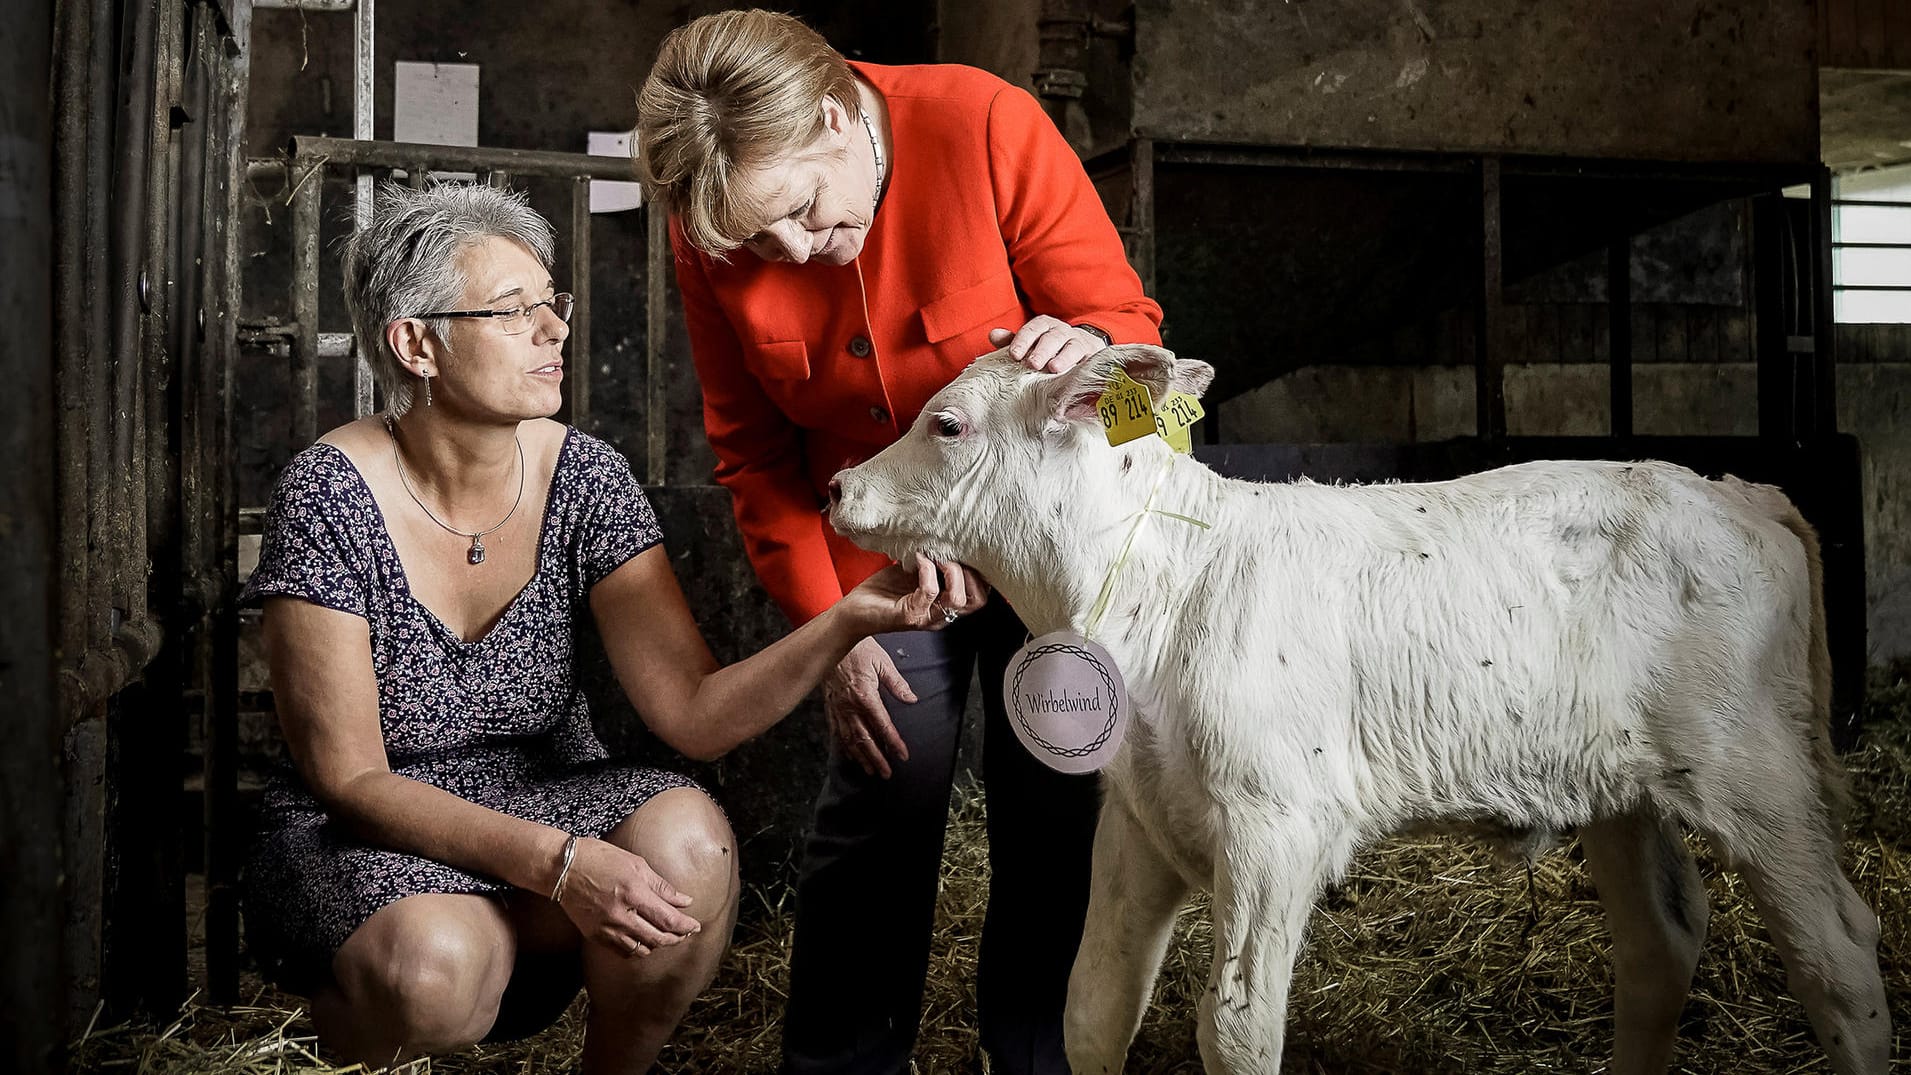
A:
(564, 872)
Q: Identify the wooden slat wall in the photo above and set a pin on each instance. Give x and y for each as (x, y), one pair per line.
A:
(1872, 34)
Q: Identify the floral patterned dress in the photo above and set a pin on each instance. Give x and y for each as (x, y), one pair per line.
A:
(499, 721)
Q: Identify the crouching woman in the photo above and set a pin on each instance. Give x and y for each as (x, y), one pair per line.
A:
(454, 853)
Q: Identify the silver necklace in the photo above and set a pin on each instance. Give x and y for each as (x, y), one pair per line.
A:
(876, 148)
(475, 554)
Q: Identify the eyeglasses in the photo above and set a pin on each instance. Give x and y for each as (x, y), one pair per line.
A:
(516, 319)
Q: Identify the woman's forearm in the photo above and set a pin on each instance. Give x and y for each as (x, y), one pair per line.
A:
(396, 812)
(741, 701)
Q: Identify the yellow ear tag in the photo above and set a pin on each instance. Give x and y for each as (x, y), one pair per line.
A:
(1126, 409)
(1179, 412)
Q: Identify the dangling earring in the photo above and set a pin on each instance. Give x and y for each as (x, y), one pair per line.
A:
(427, 378)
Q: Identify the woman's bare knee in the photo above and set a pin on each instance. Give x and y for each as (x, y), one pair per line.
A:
(427, 977)
(684, 836)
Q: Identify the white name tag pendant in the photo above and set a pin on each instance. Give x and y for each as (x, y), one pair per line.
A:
(1066, 702)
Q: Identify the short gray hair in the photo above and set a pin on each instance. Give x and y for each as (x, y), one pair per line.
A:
(406, 263)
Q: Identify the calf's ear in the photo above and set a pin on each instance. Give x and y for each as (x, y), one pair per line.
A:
(1074, 394)
(1163, 373)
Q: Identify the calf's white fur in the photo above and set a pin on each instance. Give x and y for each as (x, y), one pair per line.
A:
(1620, 649)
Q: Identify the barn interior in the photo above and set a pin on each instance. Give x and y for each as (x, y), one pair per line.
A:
(1415, 239)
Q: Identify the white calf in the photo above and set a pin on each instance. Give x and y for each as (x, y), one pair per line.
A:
(1615, 648)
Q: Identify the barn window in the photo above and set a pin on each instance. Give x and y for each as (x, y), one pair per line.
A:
(1871, 246)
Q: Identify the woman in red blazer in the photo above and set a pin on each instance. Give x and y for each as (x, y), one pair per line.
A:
(848, 237)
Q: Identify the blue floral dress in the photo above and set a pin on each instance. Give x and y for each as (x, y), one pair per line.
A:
(499, 721)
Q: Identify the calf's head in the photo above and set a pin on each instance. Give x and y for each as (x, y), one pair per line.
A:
(1010, 471)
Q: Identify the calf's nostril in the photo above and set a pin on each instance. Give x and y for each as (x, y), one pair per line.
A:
(835, 491)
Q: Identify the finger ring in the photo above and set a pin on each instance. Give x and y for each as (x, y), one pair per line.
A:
(949, 615)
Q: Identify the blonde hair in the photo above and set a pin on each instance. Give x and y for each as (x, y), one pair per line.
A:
(731, 92)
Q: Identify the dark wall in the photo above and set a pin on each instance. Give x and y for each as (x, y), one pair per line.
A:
(32, 983)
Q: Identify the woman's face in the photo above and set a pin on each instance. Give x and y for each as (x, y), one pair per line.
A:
(818, 201)
(519, 375)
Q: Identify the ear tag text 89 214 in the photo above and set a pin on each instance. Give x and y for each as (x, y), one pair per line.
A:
(1126, 409)
(1173, 418)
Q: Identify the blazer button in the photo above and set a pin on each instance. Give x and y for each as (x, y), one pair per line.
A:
(859, 346)
(878, 415)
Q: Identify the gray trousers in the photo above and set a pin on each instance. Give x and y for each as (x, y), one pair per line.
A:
(866, 891)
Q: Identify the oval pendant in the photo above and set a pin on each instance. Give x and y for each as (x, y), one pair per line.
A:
(475, 555)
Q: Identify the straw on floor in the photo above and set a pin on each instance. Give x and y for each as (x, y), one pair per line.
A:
(1434, 955)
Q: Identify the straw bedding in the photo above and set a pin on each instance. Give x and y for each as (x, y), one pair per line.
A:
(1435, 955)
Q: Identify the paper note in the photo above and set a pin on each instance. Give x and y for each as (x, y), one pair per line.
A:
(610, 195)
(436, 104)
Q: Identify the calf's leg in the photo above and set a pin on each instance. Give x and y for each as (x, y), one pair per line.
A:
(1822, 928)
(1656, 908)
(1133, 894)
(1268, 869)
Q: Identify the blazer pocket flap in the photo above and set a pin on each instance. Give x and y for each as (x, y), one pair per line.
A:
(965, 309)
(780, 360)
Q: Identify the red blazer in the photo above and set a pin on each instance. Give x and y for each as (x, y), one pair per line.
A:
(988, 220)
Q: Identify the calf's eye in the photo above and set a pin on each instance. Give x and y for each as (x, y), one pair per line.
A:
(948, 425)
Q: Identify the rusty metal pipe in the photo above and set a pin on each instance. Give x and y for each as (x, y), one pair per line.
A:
(94, 541)
(221, 779)
(414, 156)
(308, 173)
(656, 355)
(581, 288)
(69, 190)
(128, 296)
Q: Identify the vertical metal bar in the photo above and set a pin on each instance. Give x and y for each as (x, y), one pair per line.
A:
(309, 175)
(32, 903)
(1142, 156)
(1824, 359)
(156, 451)
(94, 540)
(364, 116)
(73, 91)
(131, 286)
(1490, 313)
(581, 288)
(1776, 391)
(145, 951)
(1619, 331)
(657, 275)
(219, 819)
(222, 822)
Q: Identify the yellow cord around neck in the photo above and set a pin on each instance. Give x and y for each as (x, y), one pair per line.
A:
(1141, 518)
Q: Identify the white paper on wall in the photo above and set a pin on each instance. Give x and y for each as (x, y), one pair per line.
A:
(436, 104)
(610, 195)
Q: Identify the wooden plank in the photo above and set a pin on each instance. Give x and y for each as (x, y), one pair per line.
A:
(1671, 323)
(1542, 331)
(1514, 344)
(1840, 45)
(1735, 341)
(1645, 332)
(1575, 332)
(1701, 334)
(1872, 46)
